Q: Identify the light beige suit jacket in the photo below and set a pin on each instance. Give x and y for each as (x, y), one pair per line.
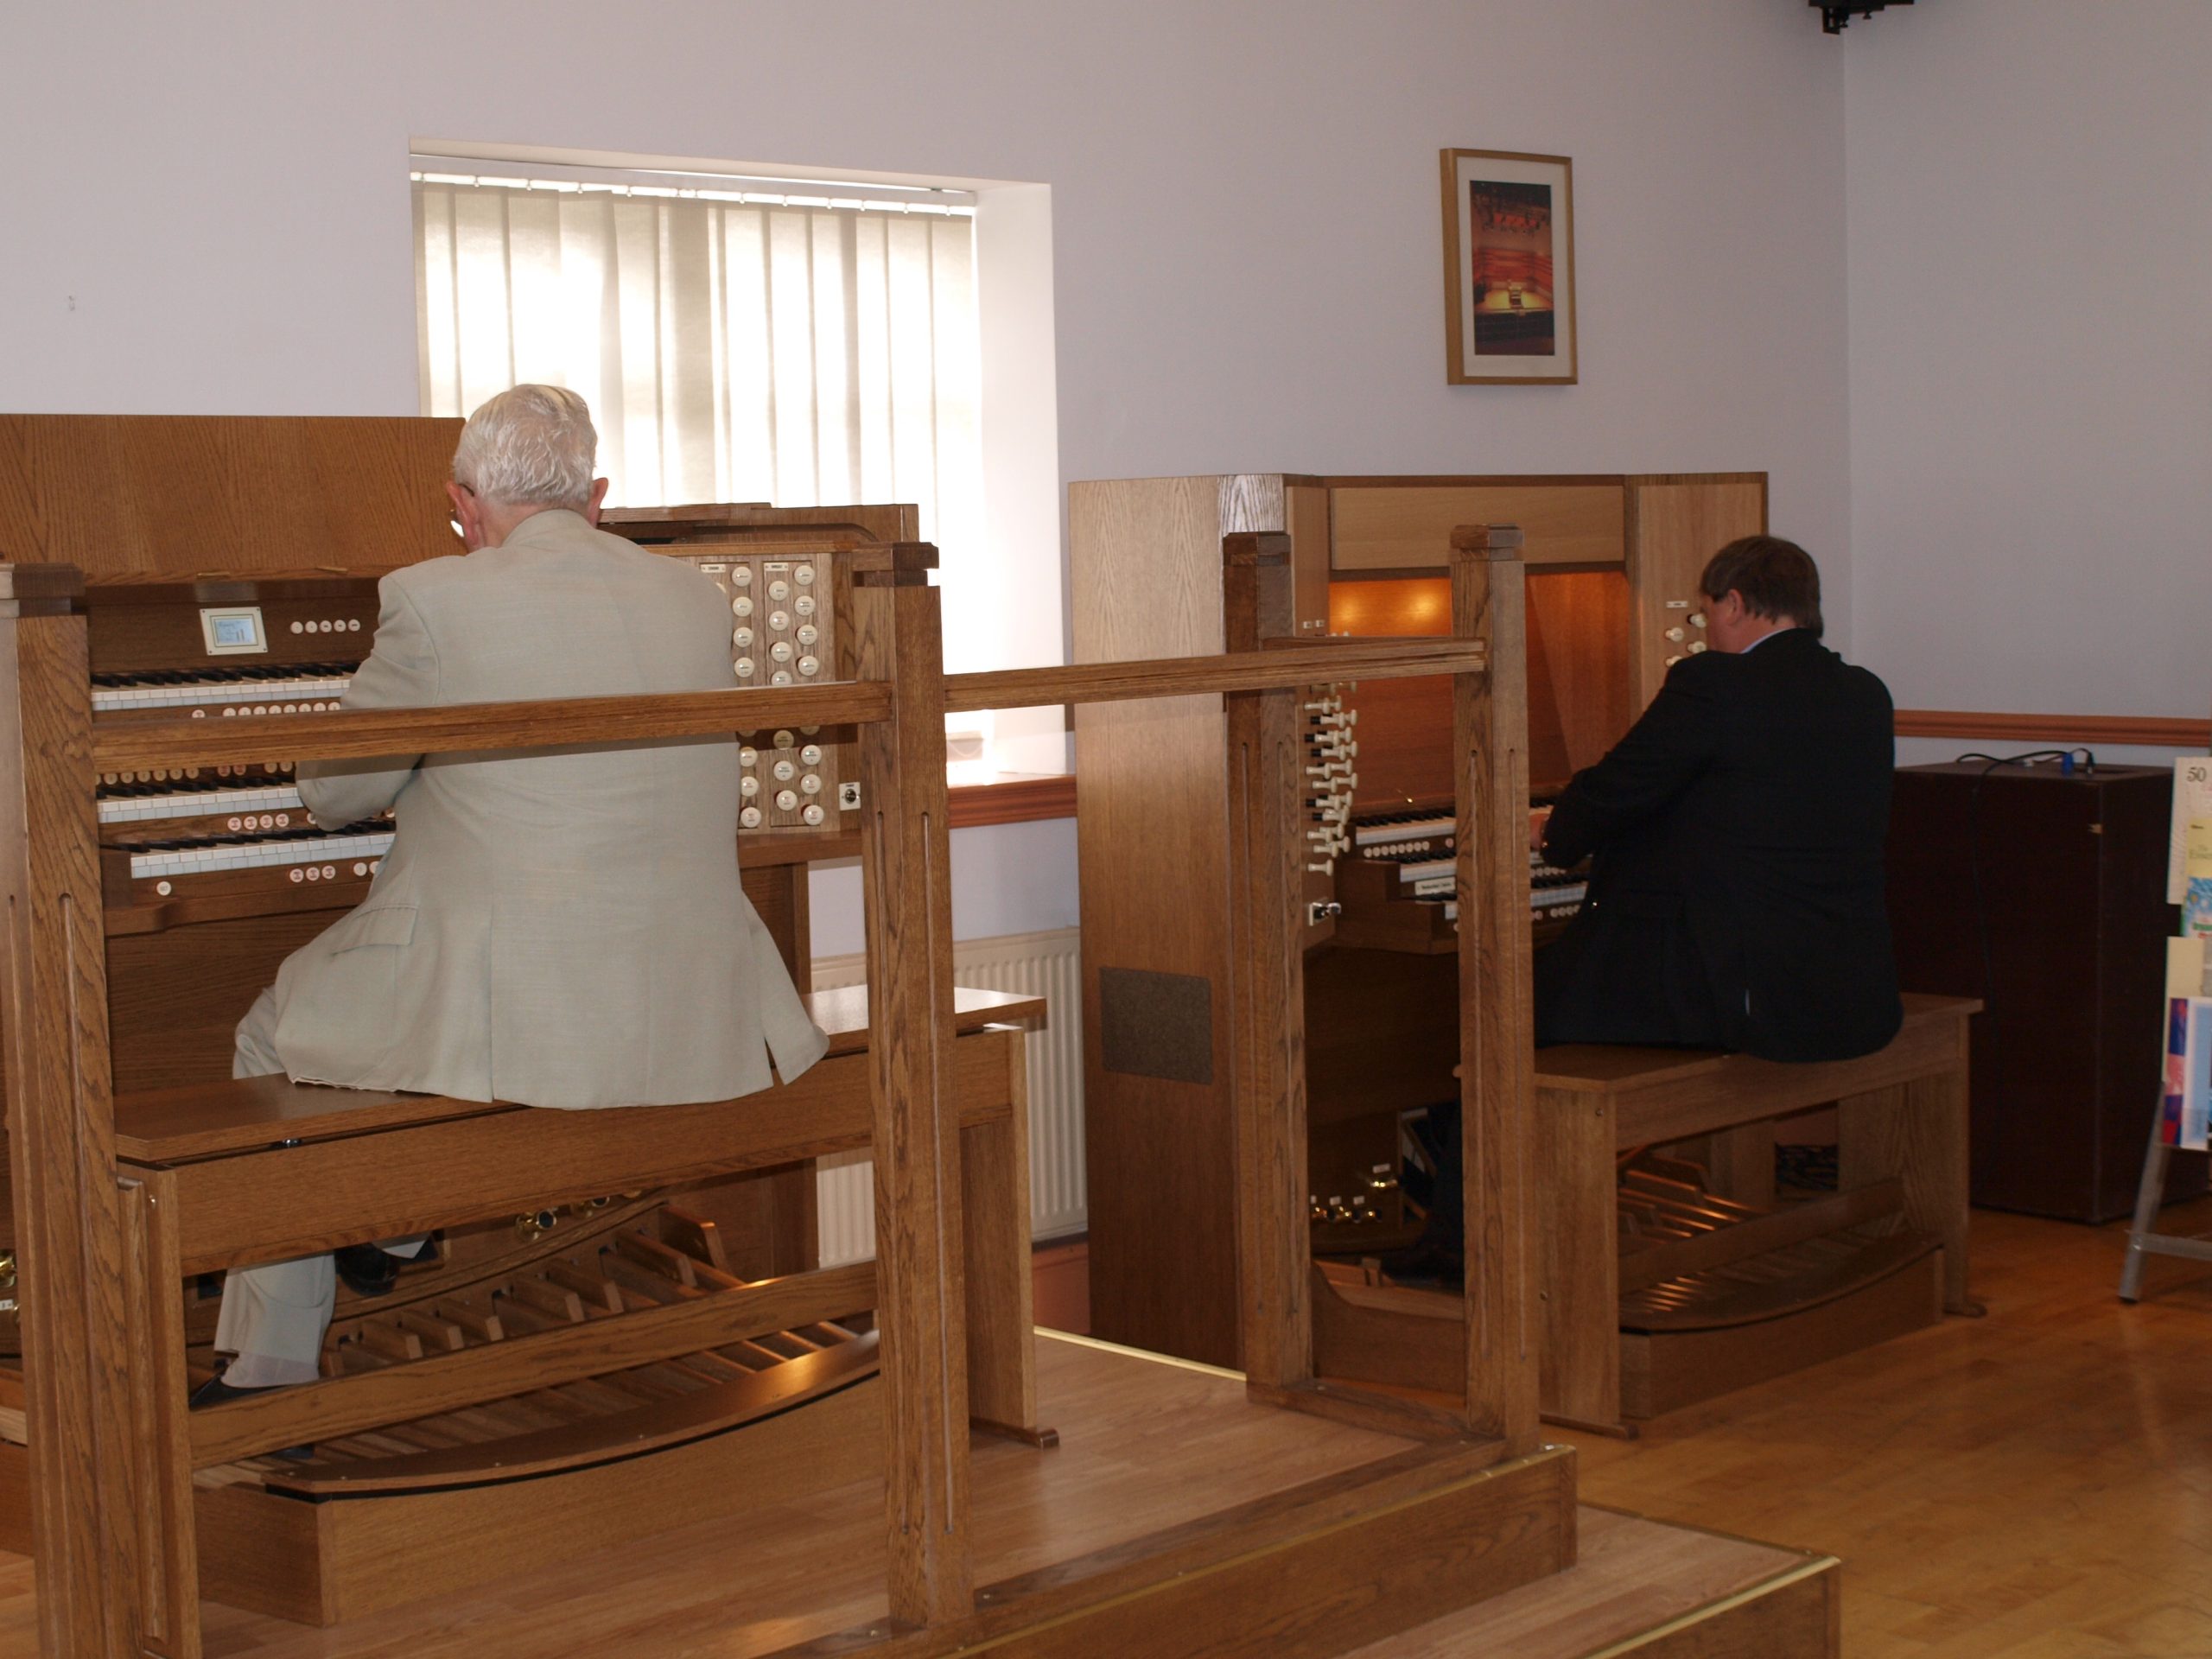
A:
(556, 927)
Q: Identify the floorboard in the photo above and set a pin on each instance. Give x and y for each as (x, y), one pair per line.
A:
(2037, 1484)
(2034, 1484)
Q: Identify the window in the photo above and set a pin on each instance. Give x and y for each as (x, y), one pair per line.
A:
(792, 342)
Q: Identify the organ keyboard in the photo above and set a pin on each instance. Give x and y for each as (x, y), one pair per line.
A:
(311, 688)
(136, 800)
(1398, 893)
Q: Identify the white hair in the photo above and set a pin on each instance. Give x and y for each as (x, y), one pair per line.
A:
(532, 446)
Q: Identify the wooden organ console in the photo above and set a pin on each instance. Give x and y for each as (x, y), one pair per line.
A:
(1613, 602)
(620, 1366)
(210, 875)
(1612, 565)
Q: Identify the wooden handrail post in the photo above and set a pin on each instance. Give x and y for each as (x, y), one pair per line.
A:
(921, 1308)
(69, 1218)
(1489, 722)
(1268, 977)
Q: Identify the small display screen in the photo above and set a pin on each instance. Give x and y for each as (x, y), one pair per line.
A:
(233, 630)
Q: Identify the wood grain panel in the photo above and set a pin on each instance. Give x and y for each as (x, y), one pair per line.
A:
(2152, 732)
(292, 1200)
(1489, 728)
(1265, 765)
(914, 1094)
(181, 493)
(1660, 1373)
(328, 1563)
(69, 1208)
(1152, 678)
(1145, 580)
(175, 998)
(127, 743)
(1410, 527)
(1002, 1287)
(1014, 800)
(1577, 644)
(1674, 527)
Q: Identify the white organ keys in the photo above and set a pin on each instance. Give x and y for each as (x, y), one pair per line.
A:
(305, 693)
(201, 803)
(302, 846)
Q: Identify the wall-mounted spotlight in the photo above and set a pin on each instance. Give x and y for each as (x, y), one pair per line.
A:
(1833, 18)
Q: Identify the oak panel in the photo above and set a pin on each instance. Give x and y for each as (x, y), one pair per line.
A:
(1410, 527)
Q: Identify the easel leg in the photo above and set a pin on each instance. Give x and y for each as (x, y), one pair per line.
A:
(2147, 1194)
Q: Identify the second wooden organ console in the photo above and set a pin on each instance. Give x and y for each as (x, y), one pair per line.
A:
(199, 603)
(1612, 565)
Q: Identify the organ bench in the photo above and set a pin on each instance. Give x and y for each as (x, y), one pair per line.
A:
(1658, 1292)
(1703, 1295)
(255, 1169)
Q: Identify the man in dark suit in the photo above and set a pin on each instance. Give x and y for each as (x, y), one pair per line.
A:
(1736, 892)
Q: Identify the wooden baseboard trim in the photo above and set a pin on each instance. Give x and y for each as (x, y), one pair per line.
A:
(1015, 800)
(2150, 731)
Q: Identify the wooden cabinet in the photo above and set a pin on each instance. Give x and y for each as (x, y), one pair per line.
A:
(2045, 895)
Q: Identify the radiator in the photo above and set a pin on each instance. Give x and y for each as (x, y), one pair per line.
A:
(1032, 965)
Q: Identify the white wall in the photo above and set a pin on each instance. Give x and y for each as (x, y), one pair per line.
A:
(207, 207)
(2031, 354)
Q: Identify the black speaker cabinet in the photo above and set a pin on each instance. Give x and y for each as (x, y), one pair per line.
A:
(2045, 895)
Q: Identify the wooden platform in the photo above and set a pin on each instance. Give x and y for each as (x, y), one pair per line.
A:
(1149, 1448)
(1655, 1590)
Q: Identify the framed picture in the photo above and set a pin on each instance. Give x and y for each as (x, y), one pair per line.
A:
(1509, 269)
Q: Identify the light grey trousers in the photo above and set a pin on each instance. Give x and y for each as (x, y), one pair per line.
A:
(274, 1317)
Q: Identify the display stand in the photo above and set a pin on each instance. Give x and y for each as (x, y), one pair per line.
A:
(2144, 1237)
(2192, 801)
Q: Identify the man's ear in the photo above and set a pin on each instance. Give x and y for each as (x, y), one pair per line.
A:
(465, 515)
(598, 499)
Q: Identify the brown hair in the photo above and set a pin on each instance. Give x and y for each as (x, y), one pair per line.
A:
(1778, 579)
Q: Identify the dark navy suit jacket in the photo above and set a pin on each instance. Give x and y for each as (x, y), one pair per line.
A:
(1736, 896)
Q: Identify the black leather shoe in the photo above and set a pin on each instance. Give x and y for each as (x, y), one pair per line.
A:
(367, 1270)
(371, 1270)
(216, 1392)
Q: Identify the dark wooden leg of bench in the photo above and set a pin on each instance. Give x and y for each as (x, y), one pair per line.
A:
(169, 1542)
(1580, 1257)
(995, 1211)
(1916, 1132)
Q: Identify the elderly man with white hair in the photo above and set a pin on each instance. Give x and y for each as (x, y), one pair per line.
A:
(552, 927)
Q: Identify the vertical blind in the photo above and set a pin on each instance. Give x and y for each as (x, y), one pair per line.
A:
(731, 351)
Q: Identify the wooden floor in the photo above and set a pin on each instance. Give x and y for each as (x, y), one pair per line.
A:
(2035, 1485)
(1635, 1576)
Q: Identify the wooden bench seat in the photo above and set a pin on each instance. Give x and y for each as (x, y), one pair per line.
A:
(214, 1119)
(1902, 1118)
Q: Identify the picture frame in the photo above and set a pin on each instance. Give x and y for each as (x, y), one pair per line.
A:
(1510, 314)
